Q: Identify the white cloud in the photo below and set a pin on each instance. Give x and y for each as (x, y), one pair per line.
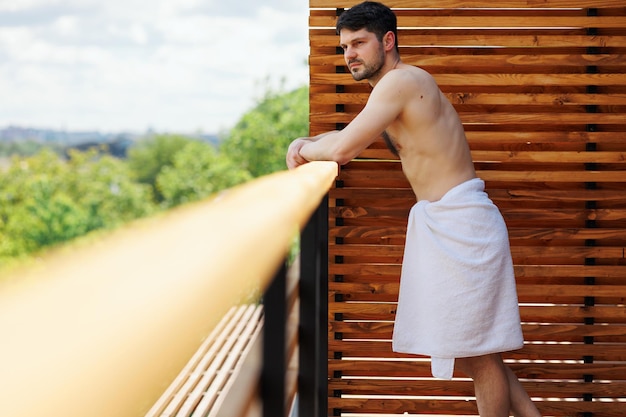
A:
(171, 65)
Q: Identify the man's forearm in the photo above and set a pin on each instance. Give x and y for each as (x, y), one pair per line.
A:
(321, 135)
(324, 148)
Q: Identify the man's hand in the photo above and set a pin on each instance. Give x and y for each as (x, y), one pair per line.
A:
(294, 159)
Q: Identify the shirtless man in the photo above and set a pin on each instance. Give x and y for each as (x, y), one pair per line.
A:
(422, 127)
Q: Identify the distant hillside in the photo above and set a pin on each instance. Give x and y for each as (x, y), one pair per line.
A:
(25, 140)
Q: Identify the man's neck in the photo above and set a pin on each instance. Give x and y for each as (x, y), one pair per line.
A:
(391, 63)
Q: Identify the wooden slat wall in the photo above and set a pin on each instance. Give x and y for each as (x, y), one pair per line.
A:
(541, 89)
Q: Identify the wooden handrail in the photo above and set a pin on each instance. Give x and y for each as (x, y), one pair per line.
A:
(103, 330)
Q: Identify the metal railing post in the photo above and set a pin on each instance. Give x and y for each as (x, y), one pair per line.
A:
(313, 342)
(274, 366)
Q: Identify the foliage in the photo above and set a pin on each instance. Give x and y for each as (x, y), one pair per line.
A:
(45, 200)
(148, 157)
(258, 142)
(105, 187)
(197, 171)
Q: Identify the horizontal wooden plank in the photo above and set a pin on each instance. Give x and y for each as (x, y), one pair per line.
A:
(422, 4)
(521, 254)
(406, 368)
(503, 118)
(458, 62)
(545, 118)
(565, 216)
(541, 351)
(351, 288)
(556, 138)
(504, 19)
(464, 407)
(369, 270)
(526, 141)
(613, 333)
(517, 194)
(412, 11)
(392, 197)
(543, 162)
(554, 157)
(369, 304)
(569, 234)
(435, 387)
(484, 38)
(572, 290)
(529, 313)
(571, 271)
(498, 80)
(528, 99)
(606, 333)
(397, 387)
(536, 291)
(362, 311)
(548, 234)
(385, 282)
(367, 407)
(373, 212)
(567, 351)
(556, 215)
(516, 215)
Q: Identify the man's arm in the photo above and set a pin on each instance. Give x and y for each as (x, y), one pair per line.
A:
(293, 158)
(385, 104)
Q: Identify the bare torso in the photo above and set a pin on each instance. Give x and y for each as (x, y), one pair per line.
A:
(429, 139)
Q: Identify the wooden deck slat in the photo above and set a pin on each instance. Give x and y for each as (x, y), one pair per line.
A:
(201, 382)
(177, 391)
(204, 396)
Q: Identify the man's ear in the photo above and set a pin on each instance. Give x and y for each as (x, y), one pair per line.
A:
(389, 41)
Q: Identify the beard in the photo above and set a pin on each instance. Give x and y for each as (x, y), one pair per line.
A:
(369, 70)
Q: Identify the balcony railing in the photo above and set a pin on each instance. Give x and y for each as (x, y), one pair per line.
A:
(102, 330)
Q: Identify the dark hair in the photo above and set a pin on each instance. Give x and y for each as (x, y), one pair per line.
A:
(374, 17)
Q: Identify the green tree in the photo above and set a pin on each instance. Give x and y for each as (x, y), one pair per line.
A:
(45, 200)
(259, 141)
(33, 214)
(197, 171)
(148, 157)
(104, 186)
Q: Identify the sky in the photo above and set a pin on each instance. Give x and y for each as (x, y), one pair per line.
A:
(175, 66)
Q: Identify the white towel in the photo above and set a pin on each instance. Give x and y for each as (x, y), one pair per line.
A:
(457, 290)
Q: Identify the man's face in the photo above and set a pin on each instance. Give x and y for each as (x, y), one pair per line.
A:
(363, 52)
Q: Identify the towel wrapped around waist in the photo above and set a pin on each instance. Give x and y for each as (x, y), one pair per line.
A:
(457, 290)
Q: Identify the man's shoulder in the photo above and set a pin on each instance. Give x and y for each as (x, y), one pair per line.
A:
(407, 75)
